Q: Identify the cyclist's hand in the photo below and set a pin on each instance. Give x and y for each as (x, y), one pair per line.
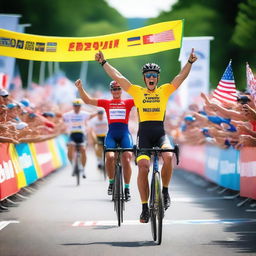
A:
(78, 83)
(192, 58)
(99, 56)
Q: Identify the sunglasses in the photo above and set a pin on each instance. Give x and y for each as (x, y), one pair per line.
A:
(148, 75)
(116, 89)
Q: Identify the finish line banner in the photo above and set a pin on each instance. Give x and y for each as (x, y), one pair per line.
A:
(146, 40)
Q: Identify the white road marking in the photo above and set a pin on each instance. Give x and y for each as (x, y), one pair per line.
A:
(165, 222)
(3, 224)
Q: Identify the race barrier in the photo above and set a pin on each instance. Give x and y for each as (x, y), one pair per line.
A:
(23, 164)
(228, 168)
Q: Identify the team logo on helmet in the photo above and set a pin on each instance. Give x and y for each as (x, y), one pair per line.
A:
(151, 67)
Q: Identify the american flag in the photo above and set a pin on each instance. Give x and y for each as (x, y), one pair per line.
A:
(164, 36)
(251, 82)
(226, 89)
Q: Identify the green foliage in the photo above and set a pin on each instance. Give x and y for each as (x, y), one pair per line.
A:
(232, 24)
(64, 18)
(211, 18)
(245, 30)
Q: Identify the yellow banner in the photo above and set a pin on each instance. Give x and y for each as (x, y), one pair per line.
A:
(146, 40)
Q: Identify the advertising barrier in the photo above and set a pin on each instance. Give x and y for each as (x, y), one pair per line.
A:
(23, 164)
(192, 158)
(222, 167)
(8, 178)
(228, 168)
(248, 172)
(26, 162)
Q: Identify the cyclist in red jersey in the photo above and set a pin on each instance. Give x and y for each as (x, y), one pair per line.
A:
(117, 110)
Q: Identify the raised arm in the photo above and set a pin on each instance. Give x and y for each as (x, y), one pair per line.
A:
(84, 95)
(177, 81)
(112, 72)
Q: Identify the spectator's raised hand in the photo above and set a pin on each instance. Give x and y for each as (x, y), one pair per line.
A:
(249, 112)
(246, 141)
(242, 129)
(78, 84)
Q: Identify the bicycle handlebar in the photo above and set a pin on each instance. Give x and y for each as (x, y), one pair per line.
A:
(156, 150)
(118, 149)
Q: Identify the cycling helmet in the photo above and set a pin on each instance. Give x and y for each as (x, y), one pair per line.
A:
(151, 67)
(77, 102)
(113, 84)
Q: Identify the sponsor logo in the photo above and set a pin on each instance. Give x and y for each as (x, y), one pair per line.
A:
(95, 46)
(6, 171)
(151, 99)
(151, 109)
(40, 47)
(51, 47)
(28, 45)
(165, 36)
(25, 161)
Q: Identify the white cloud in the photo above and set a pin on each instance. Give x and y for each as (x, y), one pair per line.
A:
(141, 8)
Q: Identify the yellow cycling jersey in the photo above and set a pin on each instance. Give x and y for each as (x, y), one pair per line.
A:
(151, 105)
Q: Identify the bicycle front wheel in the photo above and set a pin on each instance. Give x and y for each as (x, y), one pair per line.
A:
(118, 194)
(77, 174)
(157, 210)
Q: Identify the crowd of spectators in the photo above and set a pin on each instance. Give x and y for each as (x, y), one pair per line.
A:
(209, 121)
(219, 123)
(22, 121)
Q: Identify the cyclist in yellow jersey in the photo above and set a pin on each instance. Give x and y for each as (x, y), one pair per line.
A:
(151, 103)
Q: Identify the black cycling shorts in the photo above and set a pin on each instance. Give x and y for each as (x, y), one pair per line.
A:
(152, 134)
(100, 140)
(77, 138)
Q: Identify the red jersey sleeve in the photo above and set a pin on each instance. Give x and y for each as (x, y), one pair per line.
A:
(130, 103)
(103, 103)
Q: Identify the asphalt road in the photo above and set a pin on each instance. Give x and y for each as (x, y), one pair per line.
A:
(59, 218)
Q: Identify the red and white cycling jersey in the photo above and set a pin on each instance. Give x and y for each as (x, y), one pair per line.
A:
(117, 110)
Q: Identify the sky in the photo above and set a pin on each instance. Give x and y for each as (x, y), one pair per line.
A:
(141, 8)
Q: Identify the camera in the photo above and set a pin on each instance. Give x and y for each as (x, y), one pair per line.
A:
(243, 99)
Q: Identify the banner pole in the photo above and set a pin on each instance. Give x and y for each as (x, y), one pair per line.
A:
(30, 74)
(42, 73)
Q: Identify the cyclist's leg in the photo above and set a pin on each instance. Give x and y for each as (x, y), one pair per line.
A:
(71, 150)
(99, 151)
(143, 161)
(167, 168)
(142, 180)
(80, 139)
(126, 142)
(166, 171)
(110, 161)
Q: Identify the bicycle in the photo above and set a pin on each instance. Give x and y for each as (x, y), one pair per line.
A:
(77, 170)
(156, 208)
(118, 189)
